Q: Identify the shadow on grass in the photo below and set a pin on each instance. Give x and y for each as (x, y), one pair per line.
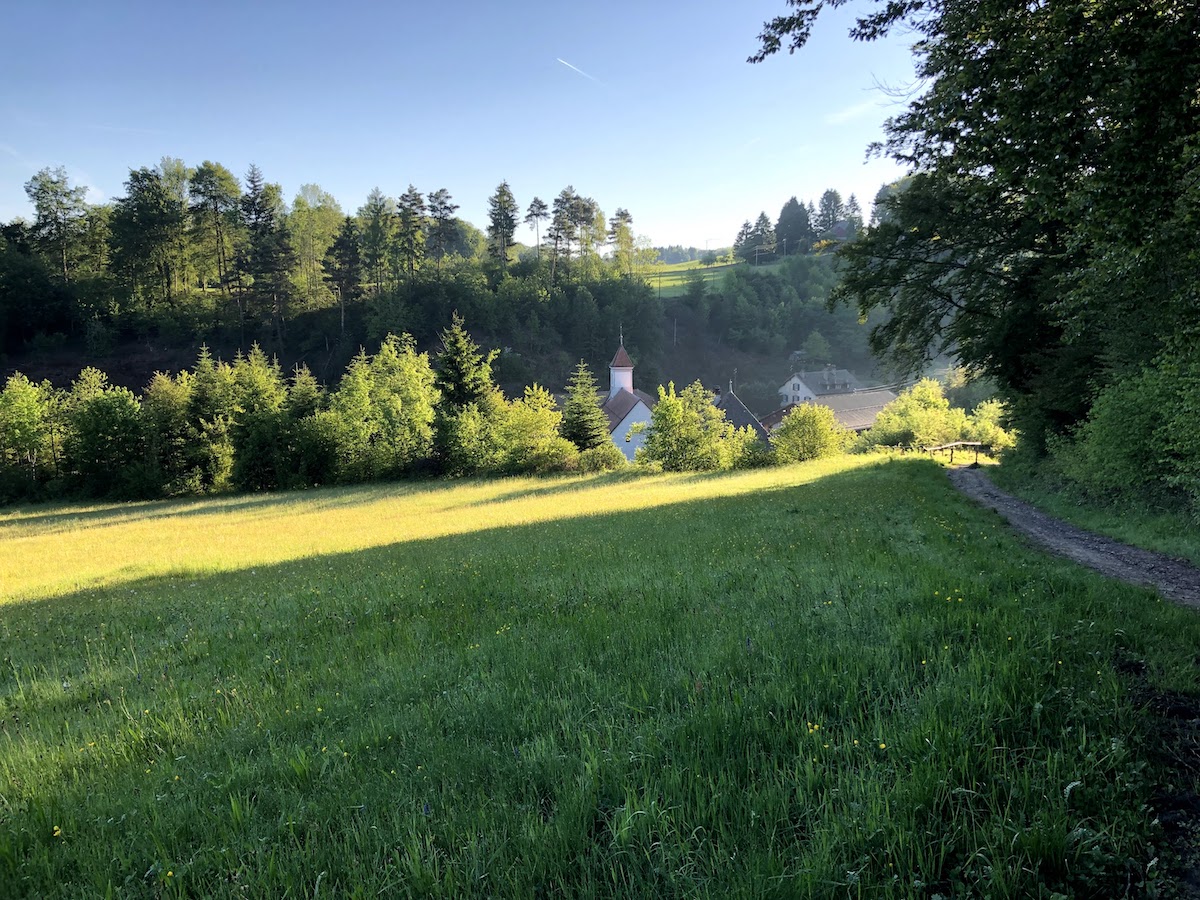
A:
(58, 516)
(337, 620)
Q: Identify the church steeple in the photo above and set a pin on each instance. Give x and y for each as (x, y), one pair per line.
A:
(620, 372)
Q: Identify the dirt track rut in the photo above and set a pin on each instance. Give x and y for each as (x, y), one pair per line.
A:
(1174, 578)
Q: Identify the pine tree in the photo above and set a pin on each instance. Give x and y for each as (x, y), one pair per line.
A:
(854, 213)
(464, 372)
(441, 228)
(793, 232)
(502, 223)
(584, 423)
(343, 265)
(472, 407)
(830, 212)
(378, 227)
(268, 256)
(537, 213)
(741, 243)
(410, 235)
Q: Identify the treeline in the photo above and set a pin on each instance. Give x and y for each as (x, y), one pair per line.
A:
(800, 228)
(675, 254)
(192, 252)
(243, 426)
(396, 414)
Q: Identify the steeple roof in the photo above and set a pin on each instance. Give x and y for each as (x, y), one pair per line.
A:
(621, 360)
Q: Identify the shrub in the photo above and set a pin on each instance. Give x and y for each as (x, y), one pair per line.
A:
(605, 458)
(984, 425)
(553, 456)
(104, 436)
(1116, 450)
(1179, 433)
(688, 433)
(809, 431)
(920, 417)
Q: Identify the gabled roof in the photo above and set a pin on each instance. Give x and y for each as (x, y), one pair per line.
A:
(618, 406)
(856, 411)
(621, 360)
(824, 381)
(738, 415)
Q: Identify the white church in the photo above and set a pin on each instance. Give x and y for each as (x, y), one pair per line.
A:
(625, 406)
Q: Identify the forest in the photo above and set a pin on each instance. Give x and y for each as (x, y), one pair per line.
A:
(194, 255)
(1046, 234)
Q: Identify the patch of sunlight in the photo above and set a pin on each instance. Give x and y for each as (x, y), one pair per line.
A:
(45, 553)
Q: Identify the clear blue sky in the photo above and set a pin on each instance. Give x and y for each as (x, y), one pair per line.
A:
(663, 117)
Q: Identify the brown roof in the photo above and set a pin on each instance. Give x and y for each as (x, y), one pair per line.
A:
(856, 411)
(621, 360)
(618, 406)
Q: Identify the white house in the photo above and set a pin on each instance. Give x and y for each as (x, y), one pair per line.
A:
(625, 406)
(803, 387)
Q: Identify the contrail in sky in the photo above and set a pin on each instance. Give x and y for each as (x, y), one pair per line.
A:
(580, 71)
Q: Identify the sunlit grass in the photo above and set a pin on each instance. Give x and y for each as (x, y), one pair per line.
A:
(836, 680)
(47, 550)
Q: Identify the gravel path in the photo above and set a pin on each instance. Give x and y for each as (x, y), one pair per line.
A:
(1174, 578)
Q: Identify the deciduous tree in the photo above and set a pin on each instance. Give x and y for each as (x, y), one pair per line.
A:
(58, 214)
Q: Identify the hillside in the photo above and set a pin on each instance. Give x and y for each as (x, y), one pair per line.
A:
(825, 675)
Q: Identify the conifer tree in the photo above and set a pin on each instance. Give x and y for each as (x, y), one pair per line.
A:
(441, 228)
(343, 265)
(472, 406)
(377, 231)
(502, 223)
(464, 372)
(410, 232)
(584, 423)
(537, 213)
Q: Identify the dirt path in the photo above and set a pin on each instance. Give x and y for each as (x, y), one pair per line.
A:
(1175, 579)
(1177, 715)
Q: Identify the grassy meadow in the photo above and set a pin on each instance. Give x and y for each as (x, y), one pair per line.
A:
(835, 679)
(672, 280)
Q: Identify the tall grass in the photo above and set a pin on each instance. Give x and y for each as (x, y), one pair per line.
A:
(827, 680)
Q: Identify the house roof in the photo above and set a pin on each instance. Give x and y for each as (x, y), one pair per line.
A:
(621, 360)
(738, 415)
(824, 381)
(618, 406)
(856, 411)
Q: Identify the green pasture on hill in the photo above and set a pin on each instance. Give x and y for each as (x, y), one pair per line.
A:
(829, 680)
(673, 280)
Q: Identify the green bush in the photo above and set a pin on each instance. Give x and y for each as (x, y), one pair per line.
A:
(104, 438)
(1141, 438)
(553, 456)
(1117, 450)
(1180, 431)
(985, 425)
(687, 433)
(605, 458)
(809, 431)
(920, 417)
